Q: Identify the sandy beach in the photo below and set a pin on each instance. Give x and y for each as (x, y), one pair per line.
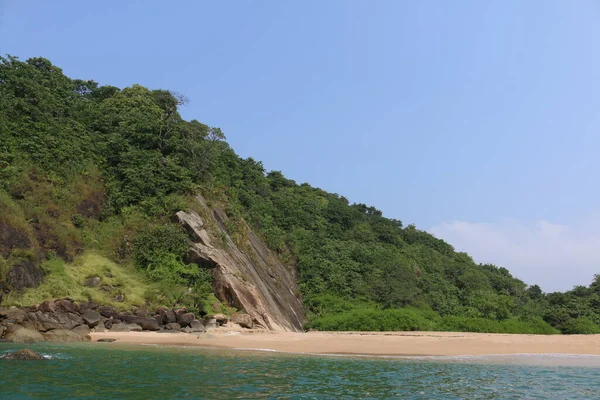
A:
(371, 343)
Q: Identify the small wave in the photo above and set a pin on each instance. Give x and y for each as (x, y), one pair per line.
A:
(56, 356)
(254, 349)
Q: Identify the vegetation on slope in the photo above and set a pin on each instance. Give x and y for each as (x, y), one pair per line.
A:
(90, 171)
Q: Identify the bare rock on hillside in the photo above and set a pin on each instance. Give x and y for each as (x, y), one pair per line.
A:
(253, 279)
(12, 238)
(24, 274)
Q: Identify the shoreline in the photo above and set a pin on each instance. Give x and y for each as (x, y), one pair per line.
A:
(390, 344)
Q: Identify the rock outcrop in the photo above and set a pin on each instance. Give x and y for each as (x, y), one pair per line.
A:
(252, 279)
(63, 320)
(19, 334)
(243, 320)
(23, 354)
(64, 335)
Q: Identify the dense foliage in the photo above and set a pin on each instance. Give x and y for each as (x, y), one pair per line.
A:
(89, 167)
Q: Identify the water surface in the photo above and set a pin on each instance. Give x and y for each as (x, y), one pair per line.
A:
(111, 371)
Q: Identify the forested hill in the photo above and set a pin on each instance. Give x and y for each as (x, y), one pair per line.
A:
(91, 175)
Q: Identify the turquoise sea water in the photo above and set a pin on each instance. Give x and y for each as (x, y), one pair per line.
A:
(113, 371)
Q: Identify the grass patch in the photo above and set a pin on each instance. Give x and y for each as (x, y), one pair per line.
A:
(67, 280)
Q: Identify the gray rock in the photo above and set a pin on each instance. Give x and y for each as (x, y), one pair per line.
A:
(108, 312)
(64, 335)
(243, 320)
(13, 315)
(82, 330)
(45, 321)
(173, 326)
(187, 329)
(106, 340)
(93, 281)
(108, 323)
(158, 319)
(168, 316)
(185, 319)
(147, 324)
(91, 318)
(126, 328)
(197, 326)
(211, 324)
(18, 334)
(66, 305)
(47, 306)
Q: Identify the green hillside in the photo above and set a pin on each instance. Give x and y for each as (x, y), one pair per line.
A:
(90, 176)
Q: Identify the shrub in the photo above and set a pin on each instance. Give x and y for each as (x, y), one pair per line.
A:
(77, 220)
(372, 319)
(581, 325)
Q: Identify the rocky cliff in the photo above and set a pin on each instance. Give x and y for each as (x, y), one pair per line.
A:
(249, 277)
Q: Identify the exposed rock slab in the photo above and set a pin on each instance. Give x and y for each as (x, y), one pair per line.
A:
(253, 280)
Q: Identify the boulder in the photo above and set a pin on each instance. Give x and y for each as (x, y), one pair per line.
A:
(221, 318)
(108, 312)
(24, 274)
(168, 316)
(185, 319)
(210, 324)
(187, 329)
(243, 320)
(13, 315)
(126, 328)
(87, 305)
(197, 326)
(108, 323)
(158, 319)
(66, 305)
(47, 306)
(82, 330)
(91, 318)
(18, 334)
(64, 335)
(23, 354)
(147, 324)
(93, 281)
(173, 326)
(44, 321)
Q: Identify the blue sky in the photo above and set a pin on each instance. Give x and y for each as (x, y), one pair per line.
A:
(476, 120)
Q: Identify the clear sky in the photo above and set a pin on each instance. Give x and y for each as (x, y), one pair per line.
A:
(476, 120)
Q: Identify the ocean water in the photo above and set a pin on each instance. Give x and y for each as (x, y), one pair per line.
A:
(114, 371)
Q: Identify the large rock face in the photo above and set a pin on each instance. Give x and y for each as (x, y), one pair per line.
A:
(253, 280)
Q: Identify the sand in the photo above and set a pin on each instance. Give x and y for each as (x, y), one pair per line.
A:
(370, 343)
